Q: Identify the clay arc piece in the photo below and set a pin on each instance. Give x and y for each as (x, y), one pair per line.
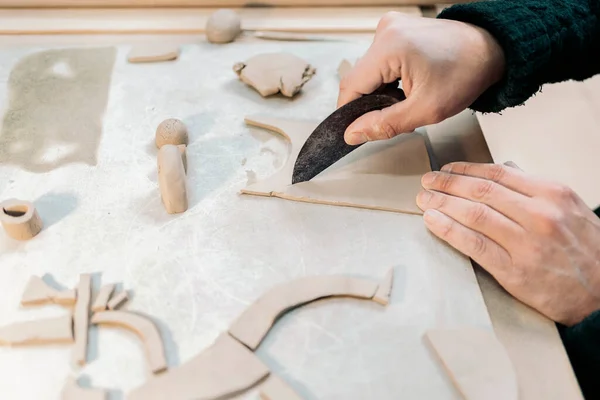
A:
(381, 175)
(118, 300)
(252, 326)
(476, 362)
(143, 328)
(272, 73)
(72, 391)
(38, 292)
(38, 332)
(225, 368)
(20, 219)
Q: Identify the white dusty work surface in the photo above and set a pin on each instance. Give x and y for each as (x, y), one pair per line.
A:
(77, 139)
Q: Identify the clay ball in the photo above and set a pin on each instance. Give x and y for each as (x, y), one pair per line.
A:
(171, 131)
(223, 26)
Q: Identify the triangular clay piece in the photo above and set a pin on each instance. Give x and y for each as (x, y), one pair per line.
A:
(381, 175)
(476, 362)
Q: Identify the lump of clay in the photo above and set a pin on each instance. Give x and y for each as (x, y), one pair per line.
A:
(171, 131)
(272, 73)
(223, 26)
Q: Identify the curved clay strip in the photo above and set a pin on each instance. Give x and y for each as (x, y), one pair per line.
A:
(171, 179)
(477, 363)
(224, 369)
(142, 327)
(20, 219)
(253, 325)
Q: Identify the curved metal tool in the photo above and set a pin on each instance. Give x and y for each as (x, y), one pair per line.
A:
(326, 144)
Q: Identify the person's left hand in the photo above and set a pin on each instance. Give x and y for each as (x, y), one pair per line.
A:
(537, 238)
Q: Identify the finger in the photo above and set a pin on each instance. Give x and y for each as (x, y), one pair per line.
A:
(479, 247)
(473, 215)
(402, 117)
(511, 204)
(511, 178)
(364, 78)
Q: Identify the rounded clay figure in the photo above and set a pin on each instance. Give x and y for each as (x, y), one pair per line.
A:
(171, 131)
(223, 26)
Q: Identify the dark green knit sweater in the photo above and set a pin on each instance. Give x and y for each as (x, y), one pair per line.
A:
(544, 41)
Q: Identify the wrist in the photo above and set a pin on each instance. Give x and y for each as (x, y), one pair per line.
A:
(491, 54)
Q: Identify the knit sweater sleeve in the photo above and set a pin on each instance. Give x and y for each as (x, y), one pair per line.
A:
(544, 41)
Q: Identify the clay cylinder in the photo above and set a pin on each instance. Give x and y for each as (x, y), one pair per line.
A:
(20, 219)
(171, 179)
(171, 131)
(182, 150)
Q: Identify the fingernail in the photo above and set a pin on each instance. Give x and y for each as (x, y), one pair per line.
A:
(446, 168)
(355, 138)
(428, 178)
(432, 216)
(423, 197)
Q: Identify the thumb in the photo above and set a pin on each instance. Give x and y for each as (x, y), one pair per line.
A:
(402, 117)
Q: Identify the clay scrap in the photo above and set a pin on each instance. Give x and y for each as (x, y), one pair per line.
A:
(150, 53)
(272, 73)
(72, 391)
(276, 388)
(103, 297)
(38, 292)
(381, 175)
(39, 332)
(223, 26)
(20, 219)
(476, 362)
(143, 328)
(119, 300)
(81, 319)
(225, 368)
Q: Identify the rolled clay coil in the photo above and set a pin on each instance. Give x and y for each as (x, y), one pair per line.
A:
(20, 219)
(171, 179)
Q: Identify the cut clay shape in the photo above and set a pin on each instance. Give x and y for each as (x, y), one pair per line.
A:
(223, 26)
(276, 388)
(384, 291)
(143, 328)
(225, 368)
(20, 219)
(380, 175)
(38, 292)
(254, 323)
(344, 67)
(183, 151)
(150, 53)
(273, 73)
(171, 179)
(171, 131)
(81, 319)
(103, 297)
(119, 300)
(476, 362)
(72, 391)
(38, 332)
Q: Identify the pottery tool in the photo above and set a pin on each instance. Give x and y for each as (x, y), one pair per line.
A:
(326, 143)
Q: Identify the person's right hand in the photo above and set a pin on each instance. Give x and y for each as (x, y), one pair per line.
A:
(444, 67)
